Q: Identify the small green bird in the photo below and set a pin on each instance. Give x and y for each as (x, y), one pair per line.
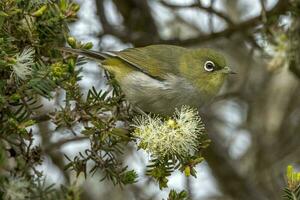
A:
(160, 78)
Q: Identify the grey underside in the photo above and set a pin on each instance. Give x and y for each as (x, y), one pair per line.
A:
(161, 97)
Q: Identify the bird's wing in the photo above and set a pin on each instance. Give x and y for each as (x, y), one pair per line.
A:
(154, 60)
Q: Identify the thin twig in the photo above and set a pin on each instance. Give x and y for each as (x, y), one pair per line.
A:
(198, 5)
(281, 7)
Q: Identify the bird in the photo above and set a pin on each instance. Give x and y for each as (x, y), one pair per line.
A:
(161, 78)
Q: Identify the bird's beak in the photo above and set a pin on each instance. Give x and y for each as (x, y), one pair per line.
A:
(228, 70)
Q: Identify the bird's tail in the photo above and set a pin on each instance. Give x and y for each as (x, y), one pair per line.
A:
(98, 56)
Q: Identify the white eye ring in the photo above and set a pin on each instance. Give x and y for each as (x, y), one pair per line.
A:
(209, 66)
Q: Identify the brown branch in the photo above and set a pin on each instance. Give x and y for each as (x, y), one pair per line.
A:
(192, 26)
(280, 8)
(41, 118)
(145, 38)
(263, 8)
(199, 6)
(106, 26)
(139, 26)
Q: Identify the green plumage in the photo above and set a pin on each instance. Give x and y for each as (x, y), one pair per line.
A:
(159, 78)
(156, 60)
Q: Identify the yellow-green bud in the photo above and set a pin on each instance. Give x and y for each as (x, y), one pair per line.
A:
(88, 45)
(71, 65)
(293, 178)
(40, 11)
(71, 61)
(63, 5)
(298, 177)
(289, 172)
(187, 171)
(72, 42)
(58, 69)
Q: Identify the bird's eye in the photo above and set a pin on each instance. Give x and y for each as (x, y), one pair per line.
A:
(209, 66)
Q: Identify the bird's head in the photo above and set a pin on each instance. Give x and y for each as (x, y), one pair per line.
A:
(206, 69)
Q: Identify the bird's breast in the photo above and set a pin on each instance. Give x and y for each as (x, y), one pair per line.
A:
(160, 96)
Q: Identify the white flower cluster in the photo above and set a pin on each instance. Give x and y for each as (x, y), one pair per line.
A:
(179, 135)
(24, 61)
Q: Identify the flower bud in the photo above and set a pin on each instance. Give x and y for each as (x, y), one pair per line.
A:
(88, 45)
(40, 11)
(187, 171)
(72, 42)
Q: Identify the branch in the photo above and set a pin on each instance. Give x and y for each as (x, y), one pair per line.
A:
(146, 38)
(139, 26)
(41, 118)
(200, 6)
(280, 8)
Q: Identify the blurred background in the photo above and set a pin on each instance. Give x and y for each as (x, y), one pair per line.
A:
(254, 123)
